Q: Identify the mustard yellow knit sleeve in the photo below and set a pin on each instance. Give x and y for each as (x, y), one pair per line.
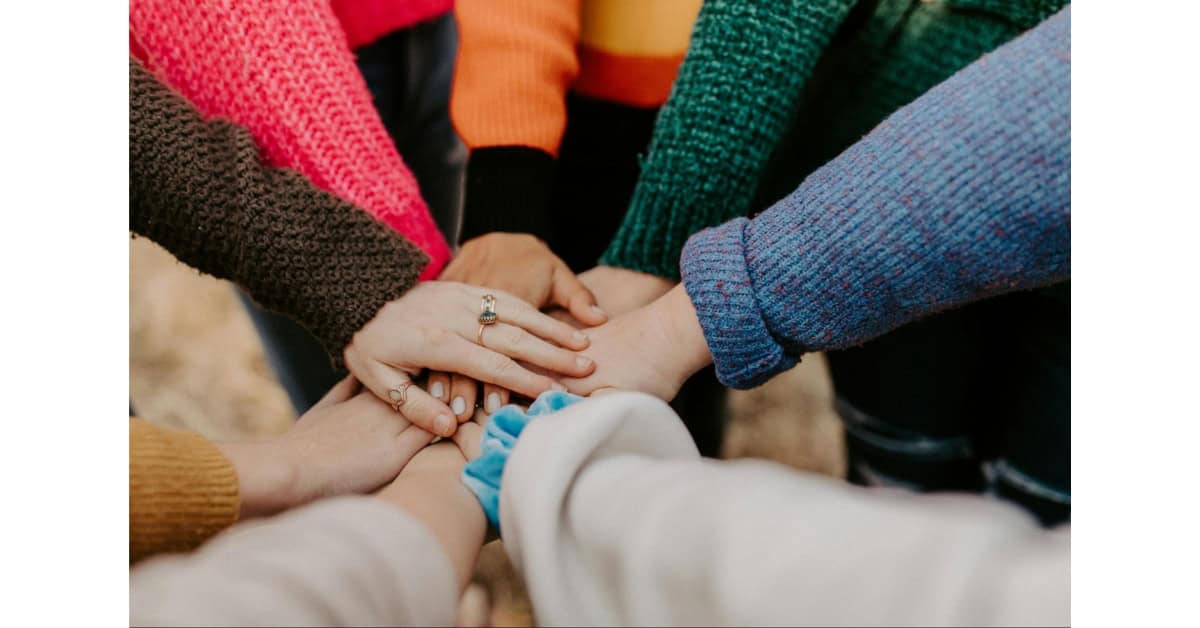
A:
(182, 490)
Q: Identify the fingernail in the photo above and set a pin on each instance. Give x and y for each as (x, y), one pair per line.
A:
(442, 425)
(436, 390)
(557, 386)
(583, 362)
(579, 336)
(459, 406)
(596, 309)
(493, 402)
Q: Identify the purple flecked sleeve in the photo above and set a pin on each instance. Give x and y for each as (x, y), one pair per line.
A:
(961, 195)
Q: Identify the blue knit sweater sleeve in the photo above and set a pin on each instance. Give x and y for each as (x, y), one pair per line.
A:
(961, 195)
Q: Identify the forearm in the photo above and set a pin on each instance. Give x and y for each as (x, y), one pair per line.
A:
(961, 195)
(430, 490)
(198, 189)
(265, 477)
(732, 100)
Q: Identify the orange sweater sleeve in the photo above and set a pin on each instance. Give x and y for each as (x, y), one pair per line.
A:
(182, 490)
(516, 61)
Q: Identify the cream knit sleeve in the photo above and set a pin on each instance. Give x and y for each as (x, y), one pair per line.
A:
(343, 561)
(614, 519)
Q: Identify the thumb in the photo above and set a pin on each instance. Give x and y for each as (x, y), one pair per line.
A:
(570, 294)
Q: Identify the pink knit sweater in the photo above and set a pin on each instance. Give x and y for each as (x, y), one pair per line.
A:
(284, 70)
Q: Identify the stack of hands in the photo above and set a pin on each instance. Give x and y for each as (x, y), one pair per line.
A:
(605, 328)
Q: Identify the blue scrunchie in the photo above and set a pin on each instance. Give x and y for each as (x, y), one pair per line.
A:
(482, 475)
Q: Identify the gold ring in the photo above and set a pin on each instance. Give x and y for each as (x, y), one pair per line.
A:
(399, 394)
(479, 335)
(487, 310)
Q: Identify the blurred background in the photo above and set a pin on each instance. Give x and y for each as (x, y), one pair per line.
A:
(195, 363)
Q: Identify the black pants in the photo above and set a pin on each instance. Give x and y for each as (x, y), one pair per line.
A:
(974, 399)
(409, 73)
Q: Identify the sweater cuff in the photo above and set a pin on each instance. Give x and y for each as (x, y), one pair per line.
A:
(651, 236)
(717, 280)
(508, 189)
(182, 490)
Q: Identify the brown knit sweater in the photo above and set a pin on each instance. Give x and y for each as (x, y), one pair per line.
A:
(198, 188)
(182, 490)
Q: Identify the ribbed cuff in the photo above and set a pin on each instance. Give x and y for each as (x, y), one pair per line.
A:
(656, 227)
(182, 490)
(717, 280)
(508, 189)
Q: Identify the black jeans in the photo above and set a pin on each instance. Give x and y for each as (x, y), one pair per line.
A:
(974, 399)
(409, 73)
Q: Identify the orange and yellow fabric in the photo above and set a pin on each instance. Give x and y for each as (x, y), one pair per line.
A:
(518, 63)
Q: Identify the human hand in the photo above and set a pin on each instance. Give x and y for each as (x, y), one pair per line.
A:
(620, 290)
(469, 436)
(435, 326)
(653, 349)
(349, 442)
(525, 267)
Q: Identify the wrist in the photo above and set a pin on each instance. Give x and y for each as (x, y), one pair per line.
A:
(686, 335)
(267, 478)
(430, 490)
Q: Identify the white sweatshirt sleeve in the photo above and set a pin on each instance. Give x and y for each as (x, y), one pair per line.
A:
(613, 518)
(348, 561)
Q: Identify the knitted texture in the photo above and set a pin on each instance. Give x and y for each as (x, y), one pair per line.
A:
(364, 21)
(284, 71)
(515, 63)
(519, 66)
(199, 189)
(508, 189)
(961, 195)
(182, 490)
(517, 60)
(880, 64)
(747, 76)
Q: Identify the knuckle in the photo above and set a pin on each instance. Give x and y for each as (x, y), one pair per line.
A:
(434, 335)
(517, 337)
(500, 364)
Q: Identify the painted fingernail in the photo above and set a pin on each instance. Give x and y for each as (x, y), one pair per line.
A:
(459, 406)
(493, 402)
(583, 362)
(442, 425)
(437, 390)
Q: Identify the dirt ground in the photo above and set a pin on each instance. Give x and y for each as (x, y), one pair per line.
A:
(195, 363)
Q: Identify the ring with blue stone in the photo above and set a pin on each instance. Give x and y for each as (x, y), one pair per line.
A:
(487, 310)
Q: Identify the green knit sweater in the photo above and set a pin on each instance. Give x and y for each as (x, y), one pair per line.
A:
(757, 68)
